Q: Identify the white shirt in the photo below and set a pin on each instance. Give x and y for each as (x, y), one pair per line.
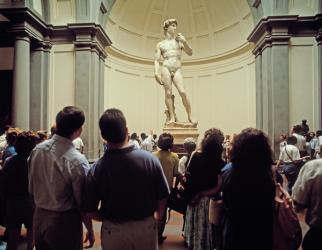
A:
(78, 143)
(182, 164)
(307, 192)
(300, 144)
(135, 143)
(292, 152)
(317, 147)
(147, 144)
(57, 175)
(3, 142)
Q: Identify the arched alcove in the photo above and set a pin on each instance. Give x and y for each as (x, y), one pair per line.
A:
(219, 77)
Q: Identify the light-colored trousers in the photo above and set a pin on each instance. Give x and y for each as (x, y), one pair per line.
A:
(134, 235)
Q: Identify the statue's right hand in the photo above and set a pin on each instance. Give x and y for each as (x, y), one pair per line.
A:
(158, 79)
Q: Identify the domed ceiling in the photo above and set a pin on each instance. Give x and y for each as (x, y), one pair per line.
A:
(213, 28)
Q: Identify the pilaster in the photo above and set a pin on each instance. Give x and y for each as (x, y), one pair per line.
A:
(21, 82)
(90, 43)
(271, 40)
(319, 97)
(39, 79)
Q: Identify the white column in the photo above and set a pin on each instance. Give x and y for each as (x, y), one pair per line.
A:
(21, 83)
(319, 97)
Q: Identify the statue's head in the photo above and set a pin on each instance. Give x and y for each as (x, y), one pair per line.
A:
(169, 22)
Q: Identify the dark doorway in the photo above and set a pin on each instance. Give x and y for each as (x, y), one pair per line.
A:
(5, 98)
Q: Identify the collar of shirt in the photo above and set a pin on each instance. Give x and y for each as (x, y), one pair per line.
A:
(62, 139)
(120, 150)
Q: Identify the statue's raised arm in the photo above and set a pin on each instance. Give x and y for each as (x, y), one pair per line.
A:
(185, 45)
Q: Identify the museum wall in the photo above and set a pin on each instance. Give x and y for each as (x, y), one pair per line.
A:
(222, 94)
(61, 80)
(63, 12)
(304, 7)
(303, 83)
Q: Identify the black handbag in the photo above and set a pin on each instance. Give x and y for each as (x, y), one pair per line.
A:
(178, 200)
(180, 197)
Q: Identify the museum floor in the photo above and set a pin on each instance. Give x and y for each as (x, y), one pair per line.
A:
(174, 240)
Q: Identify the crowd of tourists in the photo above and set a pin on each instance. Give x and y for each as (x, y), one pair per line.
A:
(47, 185)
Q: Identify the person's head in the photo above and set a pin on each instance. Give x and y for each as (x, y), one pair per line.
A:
(304, 122)
(211, 144)
(251, 151)
(318, 133)
(165, 141)
(11, 136)
(312, 134)
(297, 129)
(42, 135)
(155, 136)
(282, 137)
(309, 136)
(113, 126)
(227, 137)
(189, 145)
(25, 143)
(134, 136)
(143, 136)
(69, 122)
(170, 25)
(291, 140)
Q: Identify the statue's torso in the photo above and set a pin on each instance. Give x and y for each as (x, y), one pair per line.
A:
(171, 52)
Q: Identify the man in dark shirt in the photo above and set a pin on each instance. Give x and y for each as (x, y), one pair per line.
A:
(131, 187)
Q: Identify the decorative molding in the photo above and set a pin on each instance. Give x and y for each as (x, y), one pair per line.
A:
(318, 37)
(256, 3)
(130, 32)
(90, 36)
(103, 8)
(127, 73)
(224, 28)
(229, 71)
(277, 30)
(113, 51)
(24, 22)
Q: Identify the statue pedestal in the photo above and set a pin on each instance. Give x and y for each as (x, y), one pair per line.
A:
(181, 131)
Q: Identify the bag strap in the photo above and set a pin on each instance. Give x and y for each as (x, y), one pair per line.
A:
(288, 155)
(191, 156)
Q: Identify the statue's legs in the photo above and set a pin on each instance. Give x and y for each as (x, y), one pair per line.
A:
(178, 82)
(167, 83)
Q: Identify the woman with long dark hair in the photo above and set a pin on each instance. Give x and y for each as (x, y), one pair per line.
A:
(248, 194)
(204, 181)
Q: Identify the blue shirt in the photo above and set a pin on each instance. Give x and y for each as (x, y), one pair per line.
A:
(128, 182)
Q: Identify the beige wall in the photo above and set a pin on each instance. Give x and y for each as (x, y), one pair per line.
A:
(63, 12)
(303, 7)
(62, 79)
(222, 94)
(303, 81)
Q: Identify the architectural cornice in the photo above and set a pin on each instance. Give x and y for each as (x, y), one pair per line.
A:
(90, 36)
(23, 22)
(277, 30)
(247, 47)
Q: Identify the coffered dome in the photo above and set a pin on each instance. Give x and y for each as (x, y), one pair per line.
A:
(214, 28)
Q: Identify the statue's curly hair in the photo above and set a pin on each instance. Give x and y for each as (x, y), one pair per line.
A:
(168, 22)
